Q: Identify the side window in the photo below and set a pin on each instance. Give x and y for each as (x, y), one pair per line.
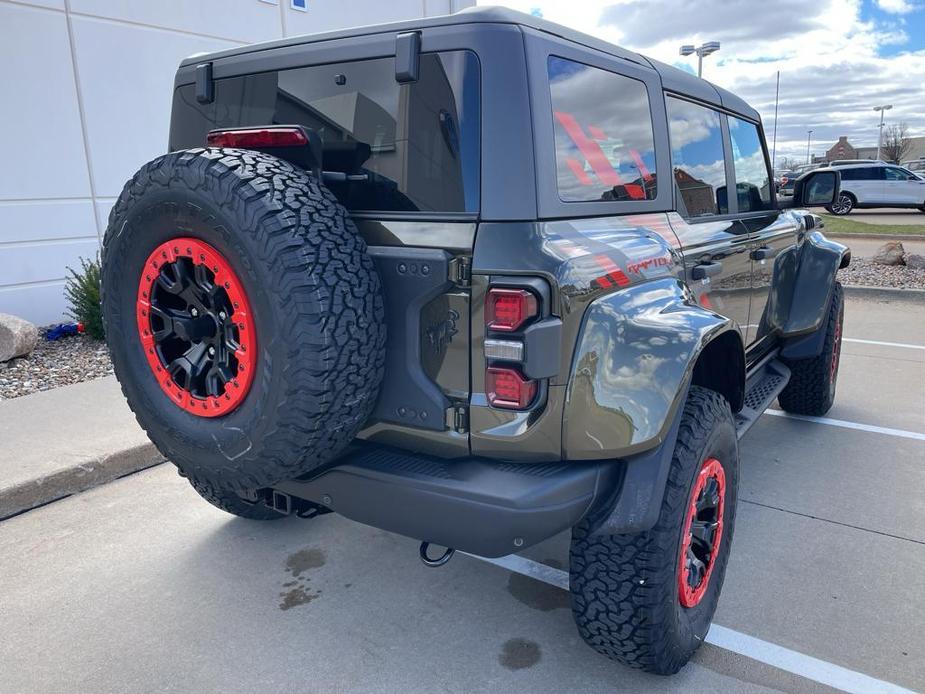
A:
(894, 174)
(753, 182)
(869, 173)
(848, 174)
(605, 149)
(697, 157)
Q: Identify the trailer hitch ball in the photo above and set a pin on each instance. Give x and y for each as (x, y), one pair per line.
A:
(440, 561)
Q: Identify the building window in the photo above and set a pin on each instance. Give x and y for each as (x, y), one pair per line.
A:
(605, 148)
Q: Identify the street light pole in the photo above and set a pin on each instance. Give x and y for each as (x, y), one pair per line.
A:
(701, 51)
(883, 108)
(809, 139)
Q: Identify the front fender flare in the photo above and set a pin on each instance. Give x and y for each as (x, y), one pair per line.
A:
(820, 259)
(634, 359)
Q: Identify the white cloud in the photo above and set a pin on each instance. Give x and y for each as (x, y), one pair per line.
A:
(832, 61)
(896, 6)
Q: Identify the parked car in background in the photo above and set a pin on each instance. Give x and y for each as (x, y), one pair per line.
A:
(785, 182)
(916, 166)
(878, 185)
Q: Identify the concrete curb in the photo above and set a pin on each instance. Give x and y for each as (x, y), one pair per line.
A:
(78, 478)
(885, 293)
(874, 237)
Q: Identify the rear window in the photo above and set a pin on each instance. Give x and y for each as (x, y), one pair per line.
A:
(604, 143)
(414, 147)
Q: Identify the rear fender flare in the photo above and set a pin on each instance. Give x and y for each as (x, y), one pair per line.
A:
(634, 360)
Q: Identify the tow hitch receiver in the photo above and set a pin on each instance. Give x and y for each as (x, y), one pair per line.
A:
(440, 561)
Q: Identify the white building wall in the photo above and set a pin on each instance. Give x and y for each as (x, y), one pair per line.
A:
(85, 93)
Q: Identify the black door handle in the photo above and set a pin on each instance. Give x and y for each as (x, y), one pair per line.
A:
(763, 253)
(704, 270)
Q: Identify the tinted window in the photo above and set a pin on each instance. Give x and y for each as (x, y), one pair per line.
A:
(604, 144)
(697, 157)
(753, 188)
(414, 147)
(864, 173)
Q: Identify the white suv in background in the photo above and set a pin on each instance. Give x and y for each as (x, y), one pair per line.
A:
(878, 185)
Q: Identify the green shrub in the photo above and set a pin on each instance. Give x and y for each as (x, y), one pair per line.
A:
(83, 294)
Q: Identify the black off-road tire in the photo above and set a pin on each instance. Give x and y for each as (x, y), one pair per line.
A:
(625, 588)
(314, 296)
(811, 390)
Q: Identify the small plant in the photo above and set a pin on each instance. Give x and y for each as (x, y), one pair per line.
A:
(83, 294)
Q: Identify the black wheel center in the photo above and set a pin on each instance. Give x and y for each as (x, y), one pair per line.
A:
(195, 338)
(703, 532)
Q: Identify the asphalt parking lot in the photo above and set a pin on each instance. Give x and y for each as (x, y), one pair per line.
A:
(887, 215)
(141, 586)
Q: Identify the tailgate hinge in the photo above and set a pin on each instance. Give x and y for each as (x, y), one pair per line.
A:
(458, 419)
(461, 271)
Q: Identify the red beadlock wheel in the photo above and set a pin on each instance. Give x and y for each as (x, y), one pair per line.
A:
(702, 535)
(196, 327)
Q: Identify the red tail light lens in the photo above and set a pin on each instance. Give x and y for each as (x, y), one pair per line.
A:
(508, 389)
(508, 309)
(256, 138)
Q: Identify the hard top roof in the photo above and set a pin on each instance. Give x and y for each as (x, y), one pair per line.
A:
(673, 79)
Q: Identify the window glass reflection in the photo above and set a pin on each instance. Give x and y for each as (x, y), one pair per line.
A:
(604, 144)
(697, 157)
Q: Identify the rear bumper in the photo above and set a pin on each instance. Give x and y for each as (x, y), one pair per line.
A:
(480, 506)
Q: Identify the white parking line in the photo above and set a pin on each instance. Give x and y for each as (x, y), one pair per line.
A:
(882, 344)
(765, 652)
(902, 433)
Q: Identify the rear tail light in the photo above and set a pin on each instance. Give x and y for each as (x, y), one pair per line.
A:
(507, 388)
(257, 138)
(507, 309)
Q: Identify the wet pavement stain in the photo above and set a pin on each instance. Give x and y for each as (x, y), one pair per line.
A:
(300, 591)
(296, 597)
(517, 654)
(536, 594)
(303, 560)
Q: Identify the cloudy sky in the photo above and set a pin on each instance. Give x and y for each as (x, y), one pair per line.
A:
(837, 58)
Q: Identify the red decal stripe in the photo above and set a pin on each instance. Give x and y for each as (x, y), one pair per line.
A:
(613, 272)
(590, 149)
(579, 172)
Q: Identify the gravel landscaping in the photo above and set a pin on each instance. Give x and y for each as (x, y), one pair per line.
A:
(864, 272)
(53, 364)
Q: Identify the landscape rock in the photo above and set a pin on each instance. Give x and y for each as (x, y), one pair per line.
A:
(914, 261)
(890, 253)
(18, 337)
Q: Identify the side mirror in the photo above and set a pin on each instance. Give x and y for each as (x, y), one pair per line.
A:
(817, 188)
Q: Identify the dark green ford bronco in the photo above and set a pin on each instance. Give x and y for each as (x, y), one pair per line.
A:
(477, 280)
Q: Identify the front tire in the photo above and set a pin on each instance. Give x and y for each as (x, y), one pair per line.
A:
(647, 599)
(811, 390)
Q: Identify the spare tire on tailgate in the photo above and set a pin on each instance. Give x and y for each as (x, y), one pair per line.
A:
(244, 316)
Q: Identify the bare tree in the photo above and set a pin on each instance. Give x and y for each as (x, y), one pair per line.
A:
(896, 143)
(787, 163)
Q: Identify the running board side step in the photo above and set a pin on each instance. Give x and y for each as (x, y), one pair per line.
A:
(761, 388)
(480, 506)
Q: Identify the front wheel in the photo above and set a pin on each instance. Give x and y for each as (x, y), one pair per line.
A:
(811, 390)
(647, 599)
(842, 206)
